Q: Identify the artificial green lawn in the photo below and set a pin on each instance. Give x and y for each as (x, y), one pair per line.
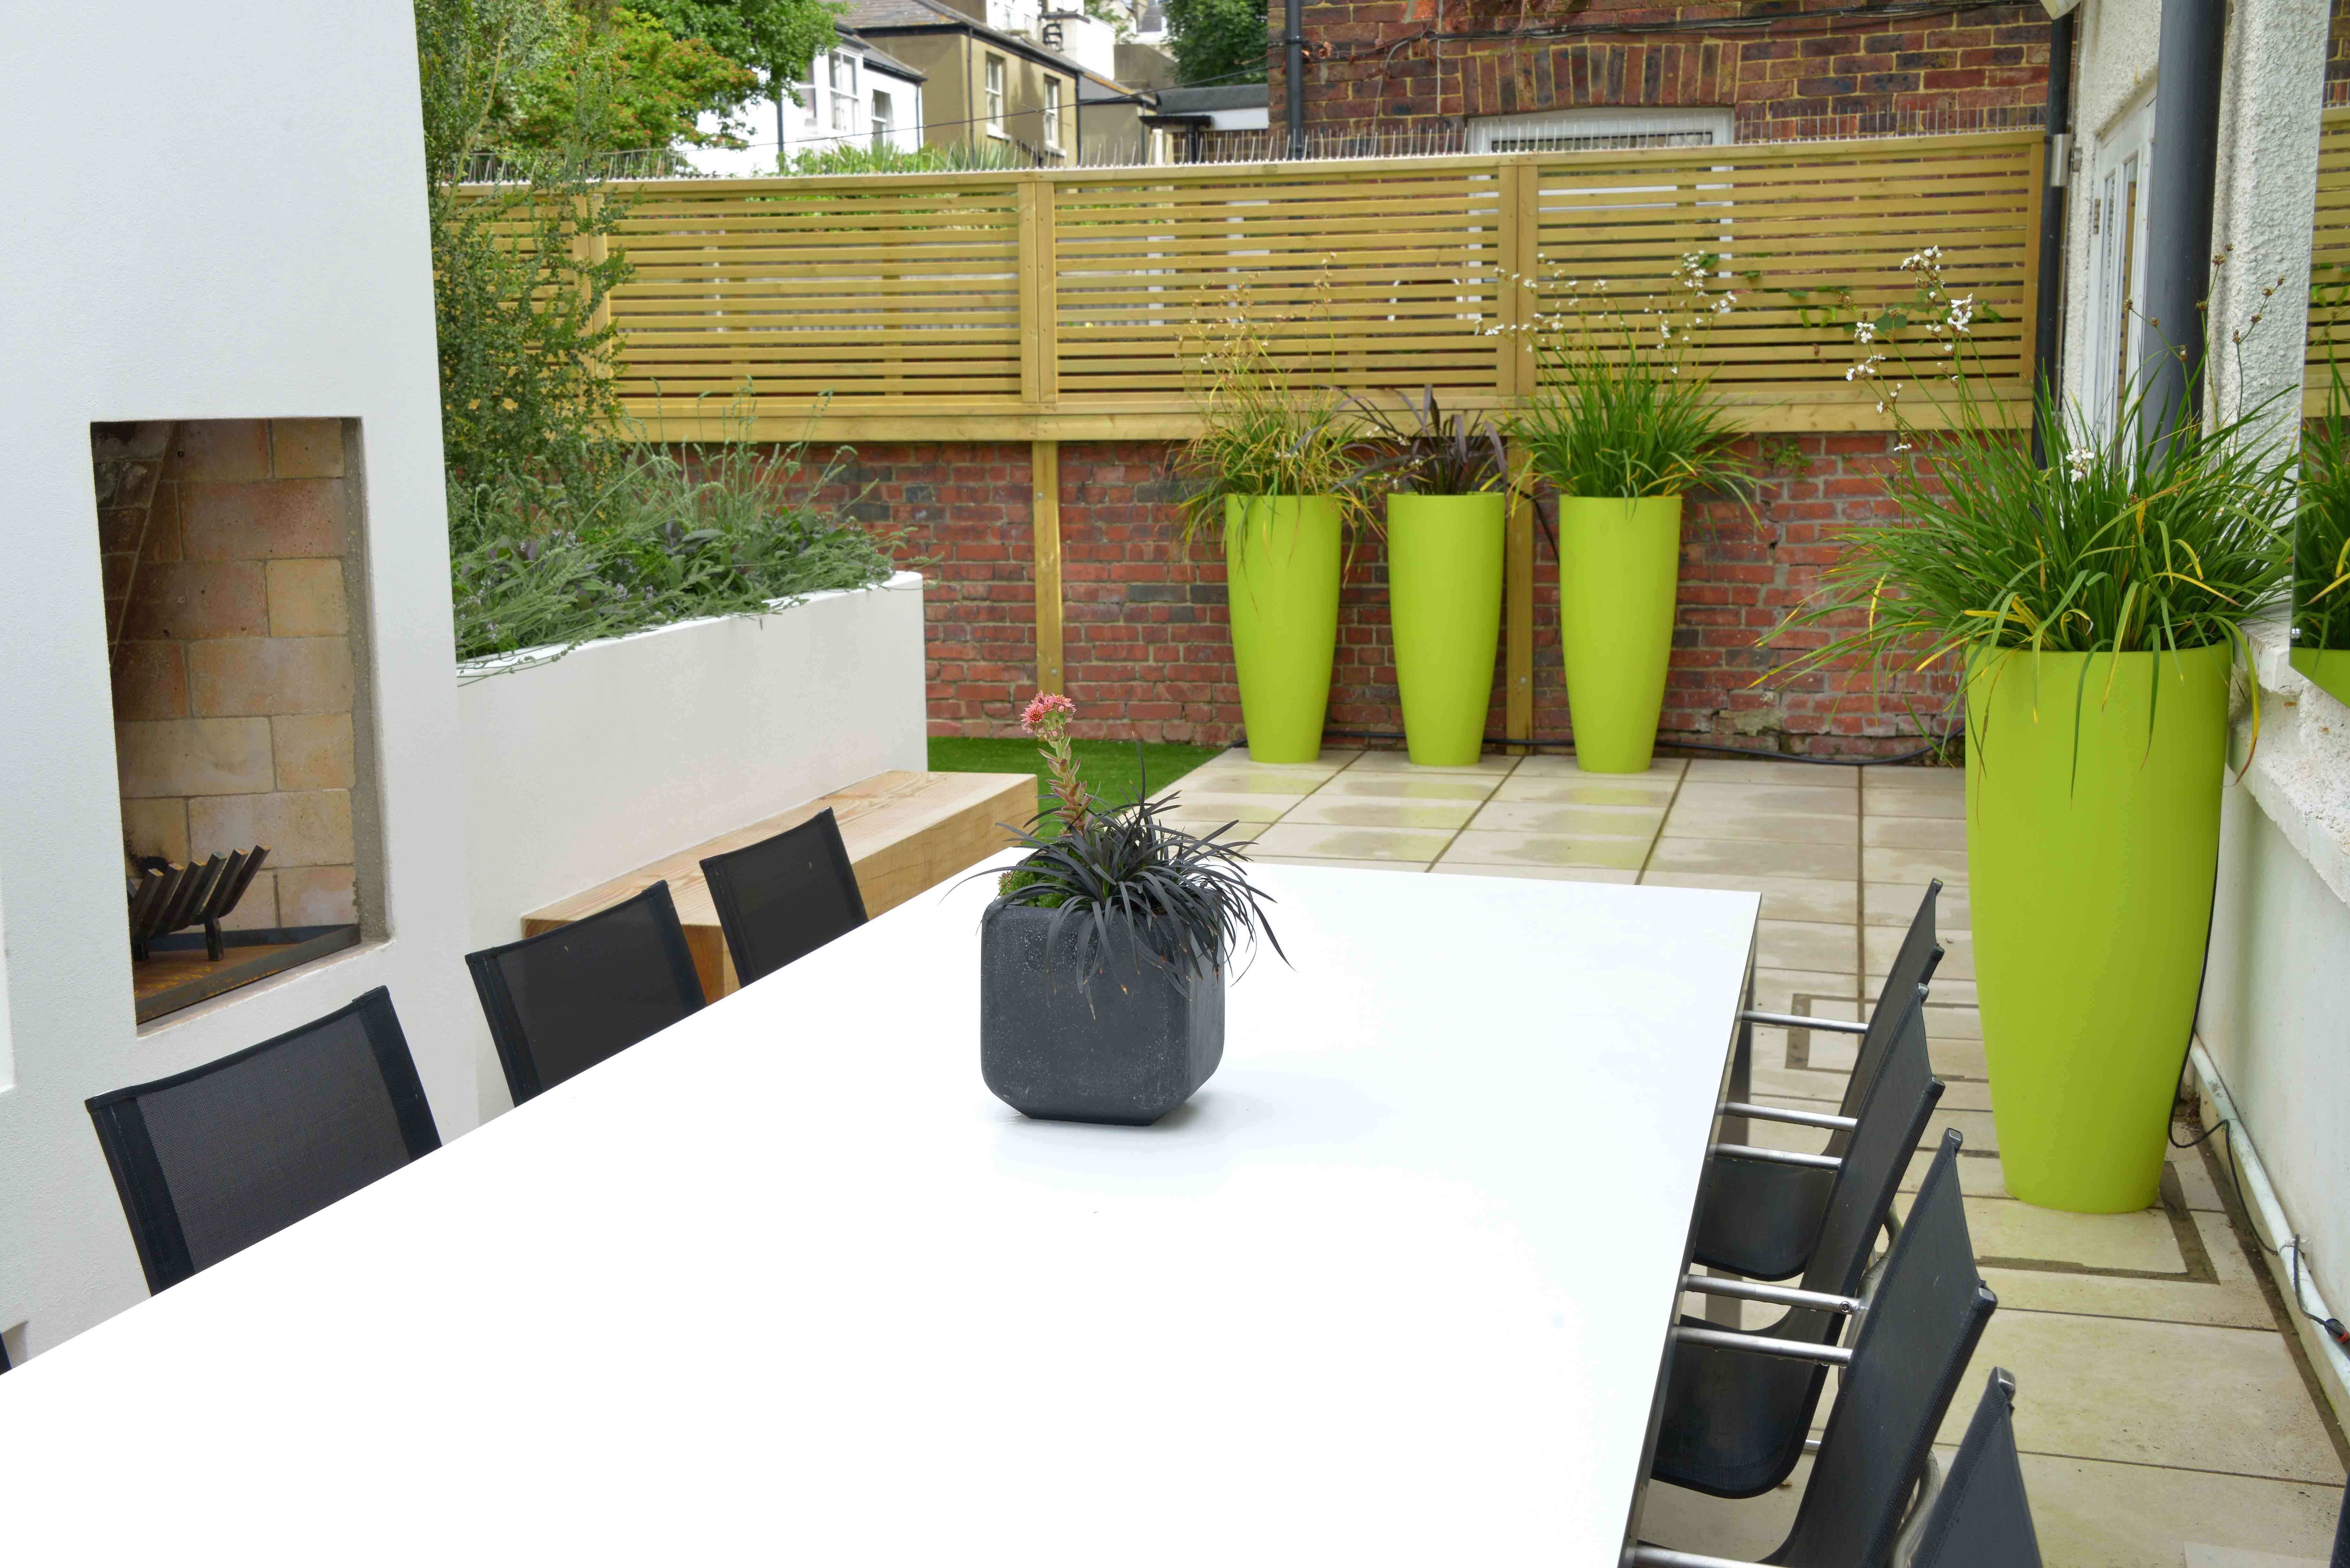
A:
(1109, 768)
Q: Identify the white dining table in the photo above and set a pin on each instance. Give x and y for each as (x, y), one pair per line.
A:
(785, 1283)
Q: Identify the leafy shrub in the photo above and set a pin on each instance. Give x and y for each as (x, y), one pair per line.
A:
(931, 158)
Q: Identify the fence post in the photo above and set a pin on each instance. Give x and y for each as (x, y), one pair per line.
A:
(1518, 623)
(1045, 524)
(1039, 338)
(1516, 304)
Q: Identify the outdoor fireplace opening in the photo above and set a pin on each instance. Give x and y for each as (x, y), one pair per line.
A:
(234, 624)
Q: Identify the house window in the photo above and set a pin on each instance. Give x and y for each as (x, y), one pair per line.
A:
(1594, 129)
(995, 94)
(885, 119)
(844, 94)
(1051, 111)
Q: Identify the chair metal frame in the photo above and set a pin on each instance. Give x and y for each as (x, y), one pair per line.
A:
(1918, 1489)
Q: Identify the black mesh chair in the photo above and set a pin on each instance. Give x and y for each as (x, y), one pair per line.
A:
(783, 898)
(1763, 1207)
(211, 1160)
(1733, 1422)
(565, 1000)
(1979, 1517)
(1915, 1339)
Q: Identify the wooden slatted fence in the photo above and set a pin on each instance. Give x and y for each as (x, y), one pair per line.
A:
(1076, 304)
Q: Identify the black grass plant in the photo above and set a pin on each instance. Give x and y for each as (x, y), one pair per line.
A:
(1185, 897)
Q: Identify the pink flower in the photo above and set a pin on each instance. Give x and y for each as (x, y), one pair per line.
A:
(1042, 708)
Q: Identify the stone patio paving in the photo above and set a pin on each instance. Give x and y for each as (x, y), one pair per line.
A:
(2166, 1419)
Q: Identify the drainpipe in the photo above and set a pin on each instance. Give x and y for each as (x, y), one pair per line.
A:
(2058, 160)
(1293, 45)
(2268, 1215)
(2186, 165)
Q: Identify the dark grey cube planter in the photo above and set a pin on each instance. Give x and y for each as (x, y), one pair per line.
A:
(1127, 1046)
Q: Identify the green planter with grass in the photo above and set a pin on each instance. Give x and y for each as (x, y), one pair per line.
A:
(1281, 570)
(1271, 469)
(1622, 426)
(2091, 607)
(2093, 839)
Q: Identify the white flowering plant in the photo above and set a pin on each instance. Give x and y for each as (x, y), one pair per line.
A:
(1624, 407)
(2091, 540)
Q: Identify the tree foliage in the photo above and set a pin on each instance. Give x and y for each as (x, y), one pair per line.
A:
(517, 288)
(1217, 41)
(639, 85)
(778, 38)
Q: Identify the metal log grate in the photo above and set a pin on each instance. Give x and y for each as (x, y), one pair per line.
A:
(167, 900)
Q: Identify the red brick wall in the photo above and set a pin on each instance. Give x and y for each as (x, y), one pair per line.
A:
(1146, 646)
(1390, 64)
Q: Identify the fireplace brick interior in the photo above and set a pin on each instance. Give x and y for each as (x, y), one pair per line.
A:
(228, 548)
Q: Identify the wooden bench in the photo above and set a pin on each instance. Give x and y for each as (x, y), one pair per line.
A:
(906, 832)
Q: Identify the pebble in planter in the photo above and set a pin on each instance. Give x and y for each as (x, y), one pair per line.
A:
(2093, 607)
(1622, 426)
(1104, 958)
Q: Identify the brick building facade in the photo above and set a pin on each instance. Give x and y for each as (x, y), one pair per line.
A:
(1782, 69)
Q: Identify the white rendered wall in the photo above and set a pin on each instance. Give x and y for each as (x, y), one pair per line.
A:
(2276, 992)
(255, 246)
(622, 752)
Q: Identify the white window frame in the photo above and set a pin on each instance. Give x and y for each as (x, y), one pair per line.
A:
(842, 80)
(1573, 129)
(883, 118)
(992, 75)
(1053, 111)
(2118, 186)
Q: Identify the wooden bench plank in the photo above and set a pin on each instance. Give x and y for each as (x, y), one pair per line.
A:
(905, 831)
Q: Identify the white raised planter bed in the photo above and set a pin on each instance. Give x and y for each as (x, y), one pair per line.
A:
(622, 751)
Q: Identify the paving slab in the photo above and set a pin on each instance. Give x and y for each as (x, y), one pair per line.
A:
(1474, 846)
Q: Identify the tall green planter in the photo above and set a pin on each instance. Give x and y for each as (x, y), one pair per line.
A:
(1619, 565)
(2093, 839)
(1281, 564)
(1444, 601)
